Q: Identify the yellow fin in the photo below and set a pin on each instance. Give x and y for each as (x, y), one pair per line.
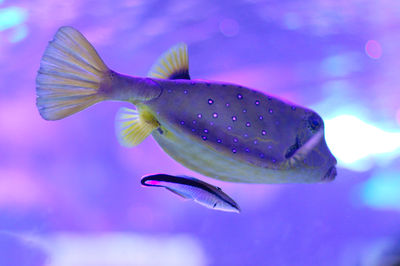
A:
(70, 75)
(133, 126)
(173, 64)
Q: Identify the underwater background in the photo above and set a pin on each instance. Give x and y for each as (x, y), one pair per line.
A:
(71, 195)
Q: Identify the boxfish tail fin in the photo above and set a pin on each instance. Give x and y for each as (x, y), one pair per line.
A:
(133, 126)
(70, 76)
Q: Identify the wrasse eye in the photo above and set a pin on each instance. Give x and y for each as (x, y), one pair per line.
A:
(314, 122)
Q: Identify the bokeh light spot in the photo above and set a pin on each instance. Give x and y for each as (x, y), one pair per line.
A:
(19, 34)
(381, 191)
(12, 16)
(352, 140)
(373, 49)
(229, 27)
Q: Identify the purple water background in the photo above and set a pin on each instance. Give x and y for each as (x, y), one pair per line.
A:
(72, 178)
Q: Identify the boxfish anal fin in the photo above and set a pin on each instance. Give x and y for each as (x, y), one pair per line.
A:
(172, 64)
(133, 126)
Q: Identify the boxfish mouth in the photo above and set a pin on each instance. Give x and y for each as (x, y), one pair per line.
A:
(330, 174)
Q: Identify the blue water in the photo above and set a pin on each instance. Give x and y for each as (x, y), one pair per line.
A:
(71, 195)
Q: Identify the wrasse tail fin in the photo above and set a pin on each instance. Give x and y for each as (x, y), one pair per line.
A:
(173, 64)
(69, 77)
(133, 126)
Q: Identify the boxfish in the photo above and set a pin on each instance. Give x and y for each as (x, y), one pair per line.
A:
(218, 129)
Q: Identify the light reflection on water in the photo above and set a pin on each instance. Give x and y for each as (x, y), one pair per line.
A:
(72, 176)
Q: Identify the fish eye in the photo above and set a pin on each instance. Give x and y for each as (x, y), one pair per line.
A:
(314, 122)
(215, 204)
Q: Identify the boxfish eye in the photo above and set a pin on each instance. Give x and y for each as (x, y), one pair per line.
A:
(314, 122)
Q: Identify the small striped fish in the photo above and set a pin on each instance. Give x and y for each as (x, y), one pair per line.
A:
(191, 188)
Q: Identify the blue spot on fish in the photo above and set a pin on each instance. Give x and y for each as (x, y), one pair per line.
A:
(215, 115)
(234, 150)
(234, 118)
(261, 117)
(239, 96)
(257, 102)
(248, 124)
(270, 111)
(263, 132)
(199, 115)
(204, 138)
(210, 101)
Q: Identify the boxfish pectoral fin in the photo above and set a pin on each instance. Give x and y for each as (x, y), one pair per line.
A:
(172, 64)
(133, 126)
(304, 150)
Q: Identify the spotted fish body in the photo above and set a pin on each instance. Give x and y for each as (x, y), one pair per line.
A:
(220, 130)
(233, 133)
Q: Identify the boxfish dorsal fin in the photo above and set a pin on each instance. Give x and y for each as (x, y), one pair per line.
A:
(172, 64)
(133, 126)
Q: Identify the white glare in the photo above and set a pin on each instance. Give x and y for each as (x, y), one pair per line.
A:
(352, 140)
